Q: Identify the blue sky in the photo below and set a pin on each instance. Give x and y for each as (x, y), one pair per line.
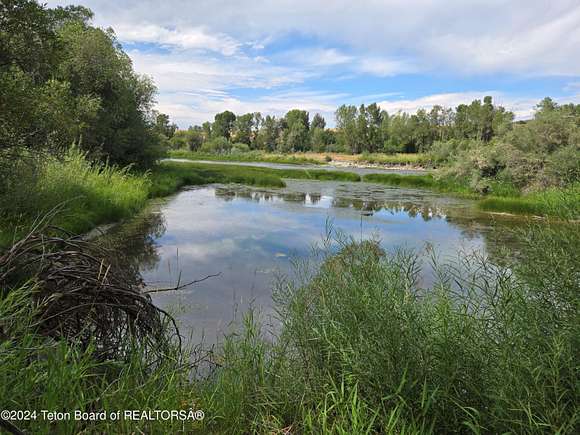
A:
(272, 56)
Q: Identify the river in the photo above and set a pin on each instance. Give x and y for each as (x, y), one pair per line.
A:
(251, 236)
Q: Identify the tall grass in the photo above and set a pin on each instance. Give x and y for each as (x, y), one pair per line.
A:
(556, 202)
(416, 159)
(364, 349)
(92, 193)
(169, 176)
(563, 203)
(40, 374)
(251, 156)
(360, 347)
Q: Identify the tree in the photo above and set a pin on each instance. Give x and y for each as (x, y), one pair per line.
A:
(296, 115)
(163, 125)
(318, 122)
(242, 130)
(268, 135)
(223, 124)
(296, 137)
(347, 127)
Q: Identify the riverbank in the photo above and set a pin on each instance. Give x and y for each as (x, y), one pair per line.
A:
(93, 194)
(561, 203)
(449, 361)
(416, 161)
(249, 156)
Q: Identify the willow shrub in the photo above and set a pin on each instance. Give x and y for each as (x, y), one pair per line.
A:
(363, 348)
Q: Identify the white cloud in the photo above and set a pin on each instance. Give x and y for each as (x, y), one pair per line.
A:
(196, 109)
(192, 38)
(523, 108)
(212, 47)
(521, 36)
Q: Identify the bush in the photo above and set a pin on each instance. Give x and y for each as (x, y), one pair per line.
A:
(239, 147)
(216, 145)
(364, 349)
(92, 193)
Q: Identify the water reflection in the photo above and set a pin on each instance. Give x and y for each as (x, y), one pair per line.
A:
(248, 235)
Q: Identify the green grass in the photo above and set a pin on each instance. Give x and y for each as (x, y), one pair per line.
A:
(91, 193)
(170, 176)
(426, 181)
(251, 156)
(40, 374)
(415, 159)
(562, 203)
(362, 348)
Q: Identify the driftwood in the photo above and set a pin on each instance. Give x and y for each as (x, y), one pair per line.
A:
(86, 295)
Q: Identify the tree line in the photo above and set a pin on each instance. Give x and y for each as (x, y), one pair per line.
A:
(358, 129)
(64, 81)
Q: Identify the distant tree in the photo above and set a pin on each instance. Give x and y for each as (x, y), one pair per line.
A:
(223, 124)
(347, 127)
(318, 122)
(242, 130)
(296, 115)
(374, 116)
(269, 133)
(163, 125)
(296, 137)
(206, 128)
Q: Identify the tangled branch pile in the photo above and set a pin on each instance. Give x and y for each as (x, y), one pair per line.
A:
(86, 295)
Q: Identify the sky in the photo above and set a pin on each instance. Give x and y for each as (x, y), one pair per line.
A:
(206, 56)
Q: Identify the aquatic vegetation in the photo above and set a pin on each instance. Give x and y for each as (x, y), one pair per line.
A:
(364, 349)
(169, 176)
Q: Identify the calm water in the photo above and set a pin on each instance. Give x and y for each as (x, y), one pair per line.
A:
(249, 235)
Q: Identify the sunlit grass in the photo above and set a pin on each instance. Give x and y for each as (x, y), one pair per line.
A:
(250, 156)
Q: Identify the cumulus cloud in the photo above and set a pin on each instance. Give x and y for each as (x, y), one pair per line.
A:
(523, 108)
(204, 51)
(192, 38)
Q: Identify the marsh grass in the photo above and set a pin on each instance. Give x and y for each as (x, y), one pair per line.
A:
(556, 202)
(360, 348)
(37, 373)
(415, 159)
(251, 156)
(169, 176)
(364, 349)
(563, 203)
(92, 194)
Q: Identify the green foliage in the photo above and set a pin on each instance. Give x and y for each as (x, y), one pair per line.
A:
(395, 159)
(218, 144)
(364, 349)
(244, 156)
(170, 176)
(63, 81)
(223, 125)
(538, 154)
(91, 193)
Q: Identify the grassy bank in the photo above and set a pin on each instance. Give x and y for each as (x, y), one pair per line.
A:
(562, 203)
(362, 349)
(398, 159)
(169, 176)
(89, 193)
(250, 156)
